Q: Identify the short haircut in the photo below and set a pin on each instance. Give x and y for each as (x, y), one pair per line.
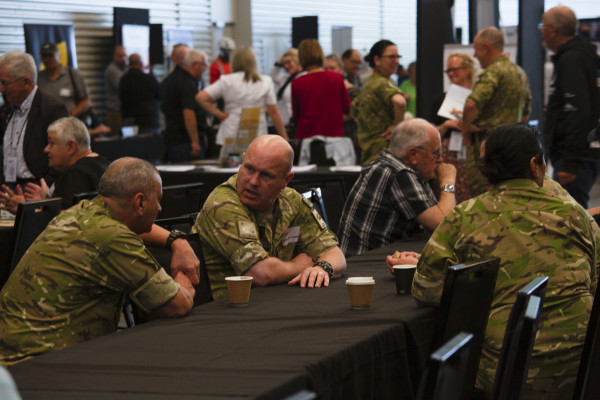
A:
(410, 133)
(19, 64)
(493, 36)
(467, 62)
(508, 151)
(292, 52)
(377, 50)
(135, 60)
(336, 58)
(347, 54)
(310, 53)
(564, 20)
(127, 176)
(71, 128)
(192, 57)
(244, 61)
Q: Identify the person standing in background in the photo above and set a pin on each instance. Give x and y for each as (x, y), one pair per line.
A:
(112, 76)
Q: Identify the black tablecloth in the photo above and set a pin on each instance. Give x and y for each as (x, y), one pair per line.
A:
(287, 339)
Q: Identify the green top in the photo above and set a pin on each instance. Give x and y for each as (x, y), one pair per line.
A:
(70, 285)
(411, 104)
(374, 112)
(234, 238)
(535, 232)
(501, 94)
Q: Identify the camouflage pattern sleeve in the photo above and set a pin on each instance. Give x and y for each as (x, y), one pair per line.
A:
(156, 292)
(484, 88)
(228, 230)
(437, 256)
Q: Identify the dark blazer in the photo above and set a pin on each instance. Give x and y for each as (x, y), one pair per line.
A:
(45, 109)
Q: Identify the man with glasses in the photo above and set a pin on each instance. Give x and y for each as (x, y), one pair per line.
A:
(24, 123)
(352, 61)
(392, 198)
(500, 96)
(573, 107)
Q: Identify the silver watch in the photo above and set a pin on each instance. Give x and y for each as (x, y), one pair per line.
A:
(449, 188)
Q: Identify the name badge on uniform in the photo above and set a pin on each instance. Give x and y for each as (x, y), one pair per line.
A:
(291, 236)
(65, 92)
(247, 230)
(11, 169)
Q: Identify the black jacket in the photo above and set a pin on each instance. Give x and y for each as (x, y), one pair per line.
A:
(573, 105)
(45, 109)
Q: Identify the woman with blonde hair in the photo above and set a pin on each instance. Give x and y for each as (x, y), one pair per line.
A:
(243, 88)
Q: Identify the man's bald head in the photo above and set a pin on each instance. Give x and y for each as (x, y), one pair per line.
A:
(275, 147)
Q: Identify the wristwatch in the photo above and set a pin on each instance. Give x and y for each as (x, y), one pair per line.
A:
(326, 266)
(448, 188)
(174, 235)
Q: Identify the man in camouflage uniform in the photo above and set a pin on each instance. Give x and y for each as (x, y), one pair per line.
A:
(535, 231)
(500, 96)
(253, 225)
(378, 108)
(70, 285)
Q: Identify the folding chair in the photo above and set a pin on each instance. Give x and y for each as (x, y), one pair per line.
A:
(333, 193)
(587, 387)
(32, 218)
(519, 337)
(181, 199)
(446, 371)
(314, 195)
(465, 307)
(77, 198)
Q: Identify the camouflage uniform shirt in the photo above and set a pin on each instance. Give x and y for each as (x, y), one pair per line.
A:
(70, 285)
(374, 112)
(501, 94)
(235, 238)
(534, 232)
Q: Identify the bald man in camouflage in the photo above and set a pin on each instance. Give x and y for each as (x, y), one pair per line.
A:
(254, 225)
(70, 285)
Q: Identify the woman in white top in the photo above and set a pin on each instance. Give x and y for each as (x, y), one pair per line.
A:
(244, 88)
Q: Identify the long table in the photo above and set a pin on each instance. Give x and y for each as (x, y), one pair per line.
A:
(287, 339)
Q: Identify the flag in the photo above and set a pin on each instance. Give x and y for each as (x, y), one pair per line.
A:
(61, 35)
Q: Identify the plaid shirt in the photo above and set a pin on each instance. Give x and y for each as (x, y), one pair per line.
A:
(382, 205)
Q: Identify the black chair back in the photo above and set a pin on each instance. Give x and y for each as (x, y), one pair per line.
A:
(315, 197)
(465, 307)
(519, 337)
(318, 155)
(587, 387)
(446, 370)
(32, 218)
(333, 193)
(181, 199)
(84, 196)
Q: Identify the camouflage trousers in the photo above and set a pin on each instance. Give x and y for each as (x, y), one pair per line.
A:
(475, 179)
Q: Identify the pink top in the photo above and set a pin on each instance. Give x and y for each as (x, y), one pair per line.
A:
(319, 101)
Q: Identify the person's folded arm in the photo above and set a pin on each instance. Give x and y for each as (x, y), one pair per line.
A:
(272, 270)
(183, 257)
(181, 304)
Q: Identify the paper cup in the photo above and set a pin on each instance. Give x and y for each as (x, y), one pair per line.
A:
(404, 276)
(360, 290)
(238, 288)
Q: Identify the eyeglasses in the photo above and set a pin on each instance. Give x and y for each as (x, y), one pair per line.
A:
(393, 56)
(541, 25)
(8, 83)
(436, 154)
(453, 69)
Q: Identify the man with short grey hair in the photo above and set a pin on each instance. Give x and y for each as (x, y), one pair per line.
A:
(24, 123)
(392, 197)
(84, 264)
(573, 108)
(186, 127)
(69, 153)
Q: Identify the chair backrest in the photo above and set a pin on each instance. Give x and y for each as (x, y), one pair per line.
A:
(333, 193)
(519, 337)
(32, 218)
(84, 196)
(465, 307)
(315, 197)
(181, 199)
(302, 395)
(587, 387)
(446, 370)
